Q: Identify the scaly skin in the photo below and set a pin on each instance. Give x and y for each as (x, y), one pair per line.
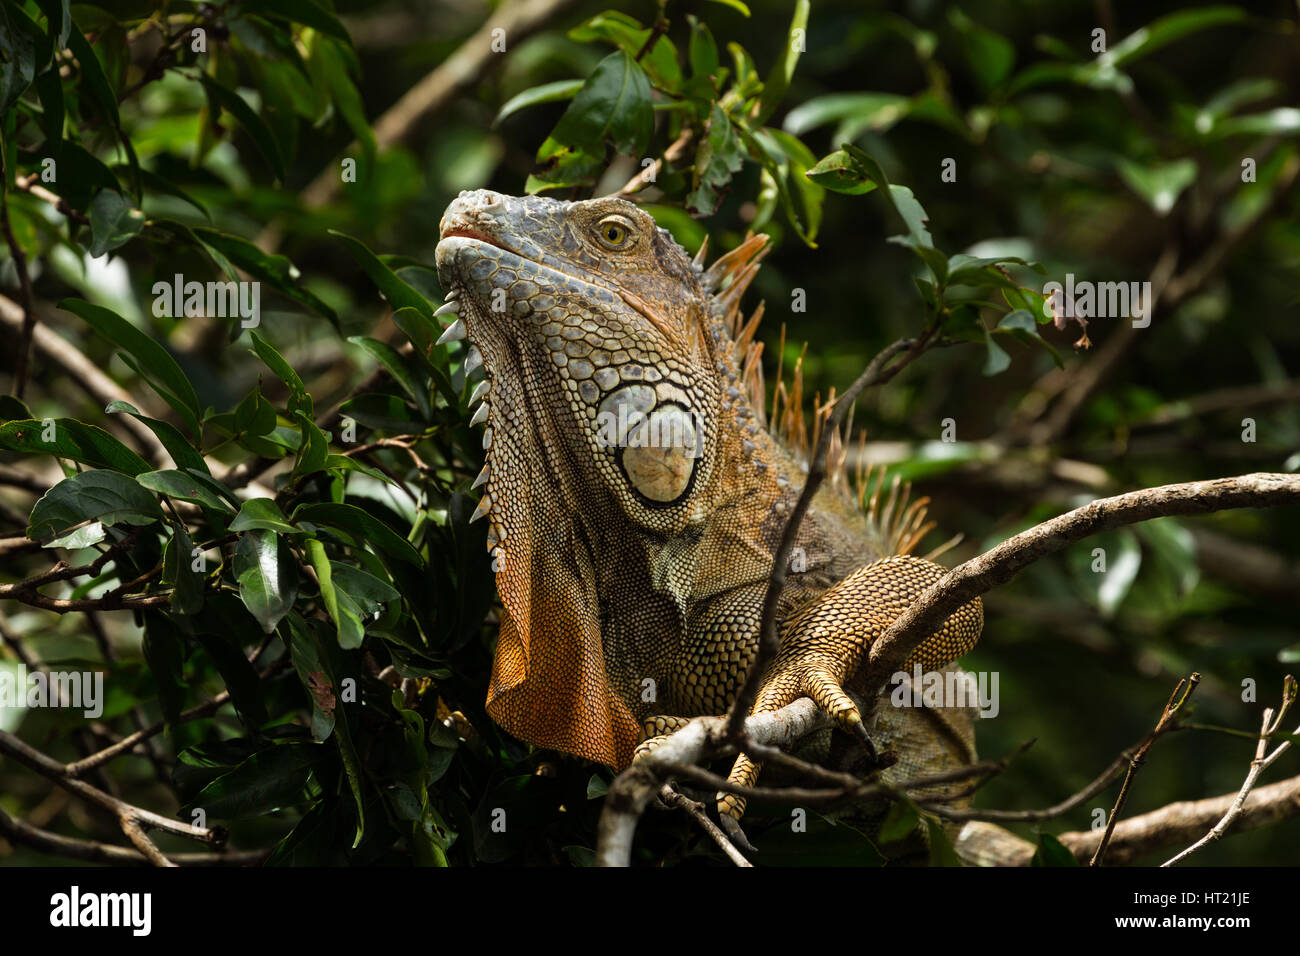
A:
(633, 554)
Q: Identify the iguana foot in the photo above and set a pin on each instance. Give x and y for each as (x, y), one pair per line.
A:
(655, 730)
(823, 645)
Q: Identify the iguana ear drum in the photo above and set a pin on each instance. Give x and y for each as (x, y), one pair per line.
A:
(659, 460)
(656, 444)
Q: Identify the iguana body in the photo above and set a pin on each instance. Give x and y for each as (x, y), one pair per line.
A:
(635, 498)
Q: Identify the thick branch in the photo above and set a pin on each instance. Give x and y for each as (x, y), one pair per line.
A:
(131, 818)
(1179, 822)
(21, 833)
(1000, 564)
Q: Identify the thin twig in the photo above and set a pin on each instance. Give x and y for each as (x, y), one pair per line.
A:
(877, 372)
(1268, 727)
(1167, 720)
(695, 810)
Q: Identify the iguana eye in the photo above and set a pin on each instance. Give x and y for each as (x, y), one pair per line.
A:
(614, 232)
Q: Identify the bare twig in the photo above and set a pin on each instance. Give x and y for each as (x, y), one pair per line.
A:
(206, 709)
(1268, 726)
(1179, 822)
(22, 833)
(695, 810)
(131, 818)
(648, 175)
(1168, 717)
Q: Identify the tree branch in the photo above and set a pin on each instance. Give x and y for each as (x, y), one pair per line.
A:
(1000, 564)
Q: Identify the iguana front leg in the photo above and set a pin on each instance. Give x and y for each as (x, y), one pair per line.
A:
(823, 645)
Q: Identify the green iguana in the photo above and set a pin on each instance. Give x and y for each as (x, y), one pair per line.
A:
(635, 495)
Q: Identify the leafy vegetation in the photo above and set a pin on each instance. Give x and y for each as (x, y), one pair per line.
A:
(274, 505)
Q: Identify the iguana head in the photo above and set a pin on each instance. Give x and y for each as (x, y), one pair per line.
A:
(596, 333)
(592, 322)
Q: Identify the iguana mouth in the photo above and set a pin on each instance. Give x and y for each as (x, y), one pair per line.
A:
(478, 236)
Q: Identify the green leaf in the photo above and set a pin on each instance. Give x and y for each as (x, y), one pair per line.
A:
(1123, 561)
(113, 222)
(840, 173)
(1159, 185)
(186, 487)
(342, 610)
(164, 652)
(361, 525)
(629, 35)
(254, 415)
(703, 52)
(179, 574)
(1175, 546)
(368, 591)
(58, 14)
(900, 197)
(163, 374)
(1280, 121)
(1052, 852)
(92, 74)
(778, 81)
(990, 54)
(276, 270)
(18, 54)
(719, 156)
(234, 104)
(262, 514)
(158, 184)
(736, 5)
(866, 111)
(545, 93)
(264, 782)
(184, 455)
(308, 14)
(398, 293)
(268, 576)
(49, 87)
(397, 367)
(71, 439)
(613, 106)
(1169, 28)
(103, 496)
(240, 677)
(331, 57)
(313, 451)
(941, 848)
(299, 398)
(997, 359)
(13, 409)
(309, 661)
